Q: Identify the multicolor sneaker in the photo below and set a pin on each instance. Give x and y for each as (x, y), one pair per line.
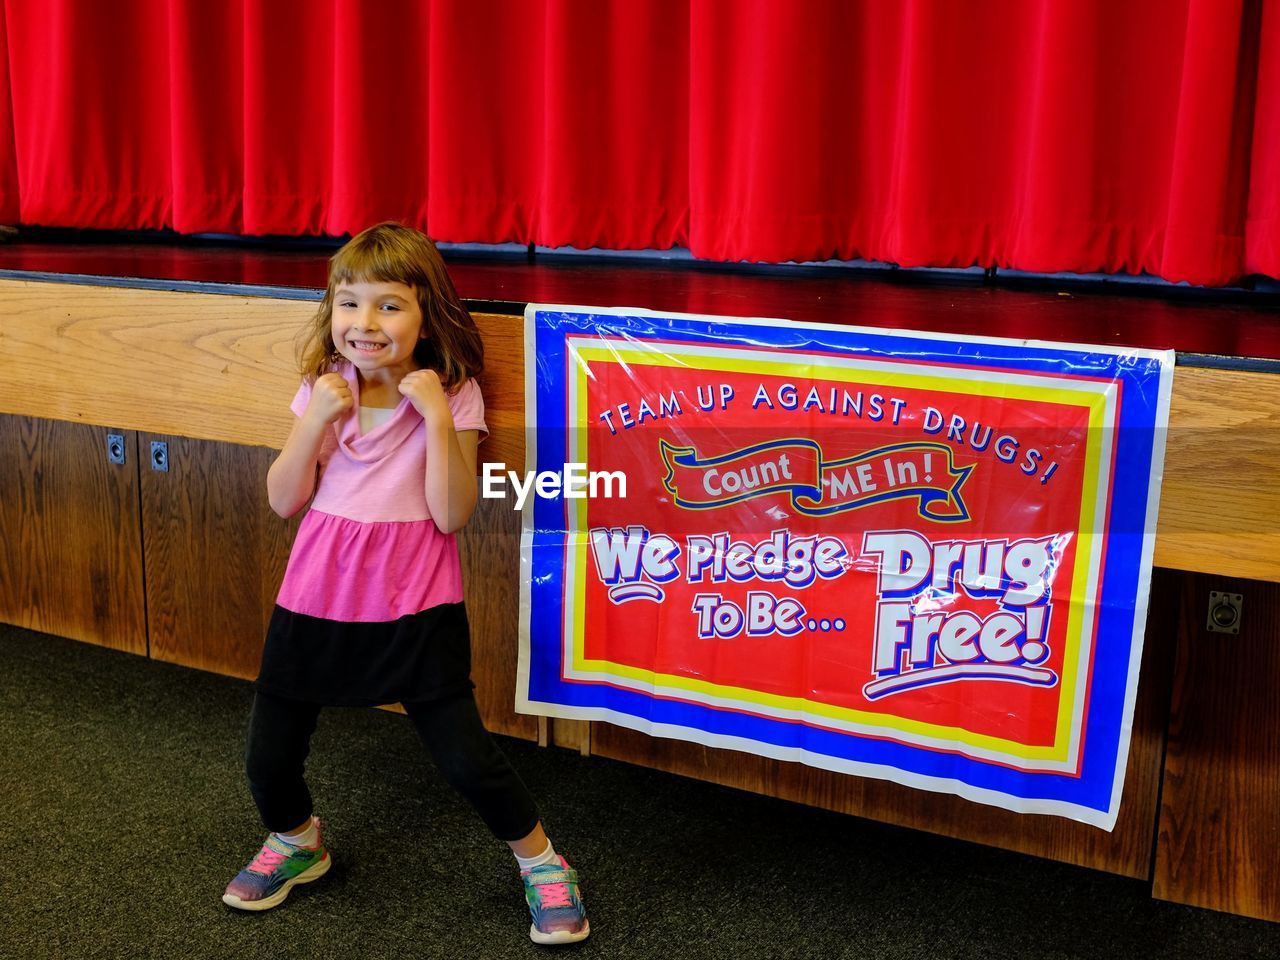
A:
(559, 915)
(266, 881)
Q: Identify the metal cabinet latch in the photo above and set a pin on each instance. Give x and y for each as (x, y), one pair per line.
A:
(115, 448)
(159, 455)
(1224, 612)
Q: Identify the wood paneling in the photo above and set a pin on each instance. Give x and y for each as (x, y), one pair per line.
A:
(220, 367)
(1220, 503)
(215, 554)
(572, 734)
(490, 549)
(1219, 839)
(72, 561)
(1126, 850)
(205, 366)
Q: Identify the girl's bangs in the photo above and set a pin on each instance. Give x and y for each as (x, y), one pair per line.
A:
(373, 263)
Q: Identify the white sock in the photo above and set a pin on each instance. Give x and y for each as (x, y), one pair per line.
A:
(307, 837)
(546, 856)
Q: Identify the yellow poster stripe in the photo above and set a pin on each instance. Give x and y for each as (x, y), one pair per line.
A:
(773, 366)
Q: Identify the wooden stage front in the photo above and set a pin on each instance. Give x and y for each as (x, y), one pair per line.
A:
(182, 565)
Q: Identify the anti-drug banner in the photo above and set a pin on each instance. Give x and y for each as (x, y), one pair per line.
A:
(919, 558)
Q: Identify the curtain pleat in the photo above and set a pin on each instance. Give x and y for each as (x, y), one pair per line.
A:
(89, 93)
(1045, 135)
(376, 85)
(485, 114)
(206, 83)
(10, 199)
(1262, 221)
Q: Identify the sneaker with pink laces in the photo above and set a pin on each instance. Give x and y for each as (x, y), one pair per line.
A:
(555, 902)
(266, 881)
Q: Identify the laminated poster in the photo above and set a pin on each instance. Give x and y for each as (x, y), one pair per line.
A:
(913, 557)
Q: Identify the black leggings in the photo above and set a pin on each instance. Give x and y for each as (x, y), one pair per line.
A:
(280, 738)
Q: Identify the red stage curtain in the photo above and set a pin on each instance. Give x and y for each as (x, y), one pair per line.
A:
(1076, 135)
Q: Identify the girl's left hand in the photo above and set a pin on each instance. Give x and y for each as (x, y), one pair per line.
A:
(425, 392)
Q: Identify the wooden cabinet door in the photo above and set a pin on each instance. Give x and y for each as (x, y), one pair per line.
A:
(69, 531)
(215, 553)
(1219, 839)
(489, 547)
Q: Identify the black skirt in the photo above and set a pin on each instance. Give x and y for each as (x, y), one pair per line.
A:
(421, 656)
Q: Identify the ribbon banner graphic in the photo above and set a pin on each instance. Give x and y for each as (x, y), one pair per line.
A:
(918, 558)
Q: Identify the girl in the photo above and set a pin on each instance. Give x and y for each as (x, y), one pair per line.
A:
(370, 610)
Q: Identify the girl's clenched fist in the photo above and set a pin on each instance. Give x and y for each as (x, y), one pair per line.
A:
(330, 398)
(425, 392)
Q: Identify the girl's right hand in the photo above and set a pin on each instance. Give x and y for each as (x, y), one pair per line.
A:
(330, 398)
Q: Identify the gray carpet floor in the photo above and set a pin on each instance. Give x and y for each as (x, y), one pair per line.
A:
(124, 812)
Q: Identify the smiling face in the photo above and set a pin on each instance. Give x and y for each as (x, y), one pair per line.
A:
(376, 326)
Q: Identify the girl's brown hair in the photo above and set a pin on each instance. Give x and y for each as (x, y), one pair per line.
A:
(393, 253)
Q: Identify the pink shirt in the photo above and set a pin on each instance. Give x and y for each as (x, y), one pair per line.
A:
(381, 475)
(367, 549)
